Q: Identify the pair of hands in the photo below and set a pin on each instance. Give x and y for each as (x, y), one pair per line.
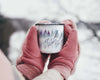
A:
(31, 62)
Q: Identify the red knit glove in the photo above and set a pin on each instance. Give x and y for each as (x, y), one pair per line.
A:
(65, 60)
(32, 62)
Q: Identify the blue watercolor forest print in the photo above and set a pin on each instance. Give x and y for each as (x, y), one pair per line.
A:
(47, 33)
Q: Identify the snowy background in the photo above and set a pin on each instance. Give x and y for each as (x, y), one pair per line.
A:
(86, 14)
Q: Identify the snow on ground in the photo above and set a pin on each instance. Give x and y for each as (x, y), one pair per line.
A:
(88, 66)
(98, 33)
(16, 41)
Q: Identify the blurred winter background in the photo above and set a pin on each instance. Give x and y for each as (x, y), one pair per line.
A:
(16, 16)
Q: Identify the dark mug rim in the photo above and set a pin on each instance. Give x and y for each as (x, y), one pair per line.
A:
(42, 24)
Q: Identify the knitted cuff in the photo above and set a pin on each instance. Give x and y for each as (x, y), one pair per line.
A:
(28, 71)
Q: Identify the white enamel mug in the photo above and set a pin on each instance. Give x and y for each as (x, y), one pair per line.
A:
(50, 37)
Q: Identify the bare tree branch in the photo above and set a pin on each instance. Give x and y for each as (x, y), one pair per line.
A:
(88, 25)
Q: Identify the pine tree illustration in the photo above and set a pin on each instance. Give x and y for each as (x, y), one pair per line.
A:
(41, 33)
(56, 33)
(45, 33)
(52, 33)
(48, 33)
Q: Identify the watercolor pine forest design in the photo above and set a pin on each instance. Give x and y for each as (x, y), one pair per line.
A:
(47, 33)
(52, 38)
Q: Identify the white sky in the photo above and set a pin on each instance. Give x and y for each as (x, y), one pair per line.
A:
(88, 10)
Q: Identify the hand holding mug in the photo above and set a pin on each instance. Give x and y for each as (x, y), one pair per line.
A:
(31, 63)
(65, 60)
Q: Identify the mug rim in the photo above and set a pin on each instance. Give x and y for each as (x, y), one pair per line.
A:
(42, 24)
